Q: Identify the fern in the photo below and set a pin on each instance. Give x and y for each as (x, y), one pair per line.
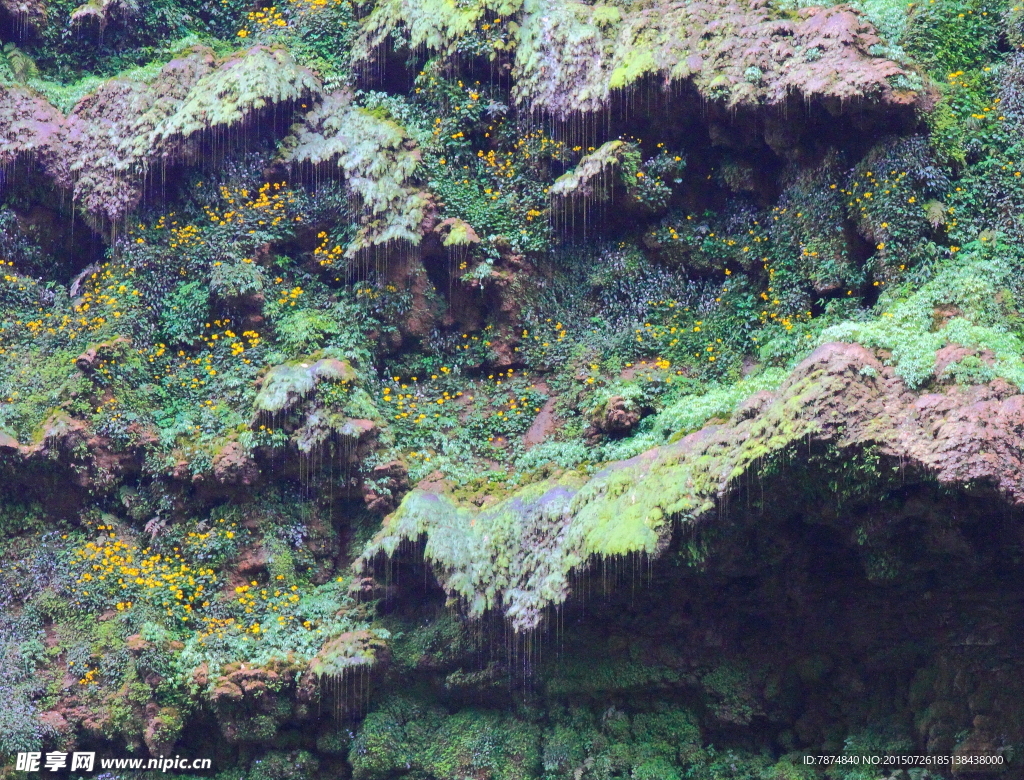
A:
(246, 83)
(437, 25)
(22, 67)
(378, 159)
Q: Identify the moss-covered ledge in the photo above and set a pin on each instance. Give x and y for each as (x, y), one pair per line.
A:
(519, 555)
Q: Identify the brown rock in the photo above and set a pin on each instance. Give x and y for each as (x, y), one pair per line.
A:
(544, 424)
(8, 444)
(252, 562)
(55, 721)
(233, 465)
(201, 675)
(754, 405)
(965, 437)
(226, 690)
(136, 644)
(162, 730)
(616, 417)
(385, 486)
(952, 353)
(90, 360)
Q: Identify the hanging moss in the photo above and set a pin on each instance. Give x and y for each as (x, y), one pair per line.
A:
(29, 126)
(107, 141)
(518, 555)
(28, 12)
(260, 77)
(571, 56)
(350, 650)
(106, 146)
(457, 232)
(101, 12)
(593, 176)
(515, 555)
(378, 160)
(433, 24)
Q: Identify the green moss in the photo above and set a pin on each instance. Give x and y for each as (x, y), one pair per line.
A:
(349, 651)
(693, 411)
(627, 508)
(439, 640)
(970, 287)
(570, 59)
(950, 36)
(571, 56)
(414, 239)
(594, 175)
(597, 675)
(258, 78)
(286, 385)
(434, 24)
(276, 765)
(405, 735)
(662, 742)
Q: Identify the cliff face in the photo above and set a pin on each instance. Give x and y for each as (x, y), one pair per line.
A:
(841, 400)
(513, 390)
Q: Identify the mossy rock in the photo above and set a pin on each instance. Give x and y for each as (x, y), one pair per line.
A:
(351, 650)
(286, 385)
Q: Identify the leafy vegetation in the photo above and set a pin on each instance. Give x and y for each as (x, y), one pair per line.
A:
(294, 294)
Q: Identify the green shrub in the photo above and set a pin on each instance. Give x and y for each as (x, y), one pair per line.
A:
(185, 313)
(405, 735)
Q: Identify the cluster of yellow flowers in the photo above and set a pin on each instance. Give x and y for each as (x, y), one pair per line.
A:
(264, 19)
(772, 311)
(669, 334)
(407, 403)
(221, 333)
(314, 5)
(549, 333)
(326, 256)
(166, 581)
(109, 292)
(267, 206)
(416, 402)
(184, 371)
(257, 606)
(158, 351)
(184, 236)
(862, 193)
(290, 296)
(956, 79)
(215, 627)
(11, 278)
(21, 283)
(675, 322)
(500, 165)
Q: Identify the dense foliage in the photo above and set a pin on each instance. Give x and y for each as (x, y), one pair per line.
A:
(264, 267)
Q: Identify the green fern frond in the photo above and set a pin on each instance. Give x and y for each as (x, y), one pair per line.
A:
(22, 66)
